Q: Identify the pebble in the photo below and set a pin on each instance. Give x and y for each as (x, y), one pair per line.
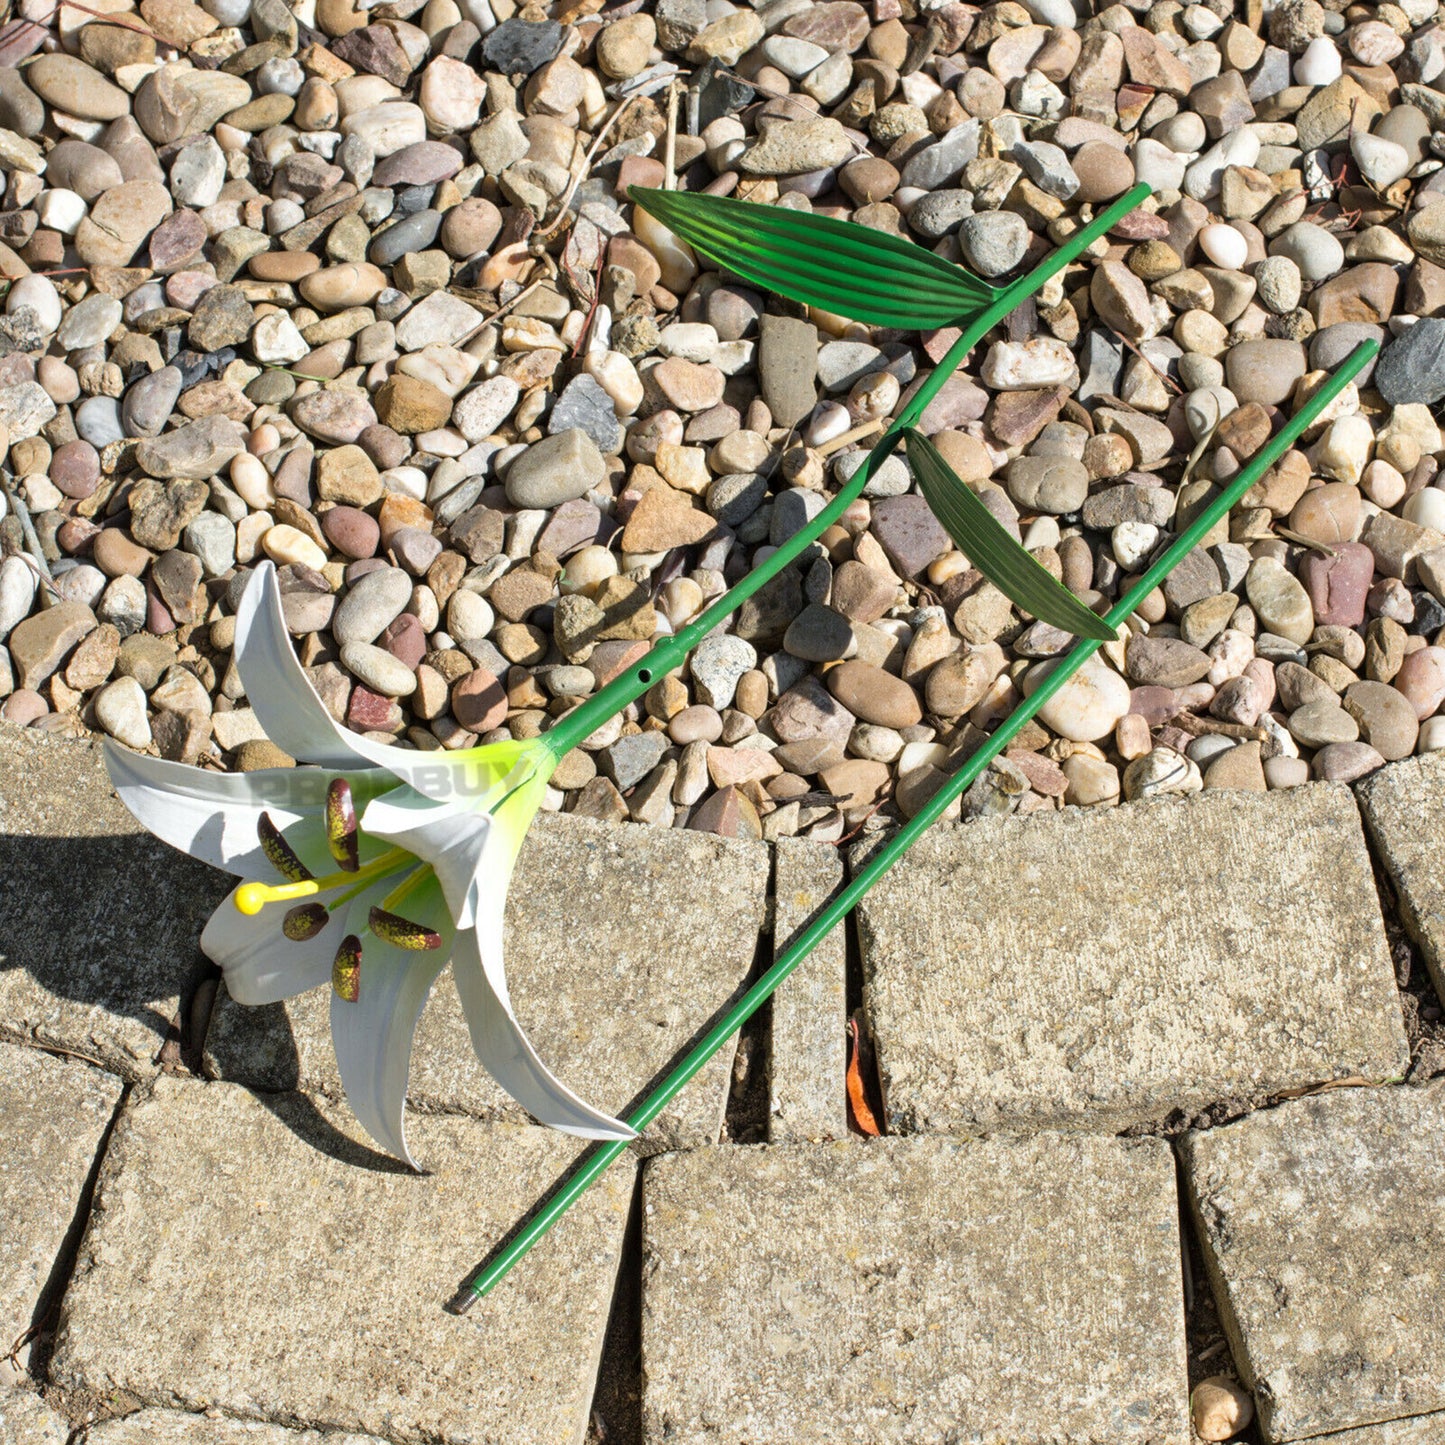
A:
(1411, 369)
(378, 669)
(1219, 1407)
(298, 367)
(120, 708)
(1087, 706)
(1224, 246)
(558, 469)
(993, 242)
(370, 605)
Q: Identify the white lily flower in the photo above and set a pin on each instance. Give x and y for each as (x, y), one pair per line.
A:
(369, 870)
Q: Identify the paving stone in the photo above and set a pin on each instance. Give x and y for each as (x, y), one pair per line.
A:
(621, 943)
(177, 1427)
(53, 1116)
(810, 1010)
(1404, 805)
(255, 1255)
(26, 1419)
(1323, 1232)
(1421, 1430)
(1021, 1290)
(99, 970)
(1223, 946)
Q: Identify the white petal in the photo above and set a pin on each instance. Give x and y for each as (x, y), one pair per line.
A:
(296, 720)
(502, 1046)
(213, 816)
(463, 845)
(261, 965)
(372, 1036)
(286, 704)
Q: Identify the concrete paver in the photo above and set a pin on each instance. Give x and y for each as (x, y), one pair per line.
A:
(810, 1010)
(253, 1254)
(25, 1419)
(1404, 806)
(909, 1290)
(1420, 1430)
(53, 1117)
(176, 1427)
(1102, 969)
(1323, 1224)
(621, 943)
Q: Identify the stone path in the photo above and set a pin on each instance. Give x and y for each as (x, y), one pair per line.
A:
(1143, 1131)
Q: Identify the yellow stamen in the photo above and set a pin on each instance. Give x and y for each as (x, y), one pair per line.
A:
(252, 897)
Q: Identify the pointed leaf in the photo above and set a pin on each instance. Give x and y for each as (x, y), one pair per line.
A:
(842, 267)
(990, 548)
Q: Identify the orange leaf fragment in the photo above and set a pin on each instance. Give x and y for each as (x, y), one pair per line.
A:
(860, 1114)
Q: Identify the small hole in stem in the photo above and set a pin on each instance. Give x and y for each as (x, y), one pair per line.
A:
(644, 674)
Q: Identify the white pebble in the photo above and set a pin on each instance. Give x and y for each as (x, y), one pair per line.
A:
(123, 605)
(1224, 246)
(18, 584)
(1206, 407)
(1427, 508)
(469, 616)
(1132, 543)
(61, 210)
(38, 293)
(692, 341)
(829, 420)
(1320, 64)
(407, 481)
(1238, 148)
(1087, 706)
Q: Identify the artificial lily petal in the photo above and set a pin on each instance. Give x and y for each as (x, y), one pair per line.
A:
(373, 1035)
(214, 816)
(504, 1049)
(472, 854)
(296, 720)
(453, 837)
(261, 965)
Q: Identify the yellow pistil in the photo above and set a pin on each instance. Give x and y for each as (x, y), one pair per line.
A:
(251, 898)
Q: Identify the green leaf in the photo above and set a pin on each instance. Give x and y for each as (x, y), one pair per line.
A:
(841, 267)
(989, 547)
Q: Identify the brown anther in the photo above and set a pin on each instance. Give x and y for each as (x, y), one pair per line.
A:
(304, 921)
(279, 852)
(341, 828)
(402, 932)
(346, 969)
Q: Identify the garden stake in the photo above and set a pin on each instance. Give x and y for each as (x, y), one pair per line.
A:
(733, 1019)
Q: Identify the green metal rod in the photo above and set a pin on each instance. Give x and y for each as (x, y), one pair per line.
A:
(585, 719)
(959, 782)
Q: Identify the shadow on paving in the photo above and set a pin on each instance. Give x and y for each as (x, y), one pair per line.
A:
(108, 923)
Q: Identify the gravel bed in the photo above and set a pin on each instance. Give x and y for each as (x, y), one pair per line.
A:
(360, 290)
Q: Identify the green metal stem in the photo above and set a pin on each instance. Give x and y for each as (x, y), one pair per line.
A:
(584, 720)
(891, 851)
